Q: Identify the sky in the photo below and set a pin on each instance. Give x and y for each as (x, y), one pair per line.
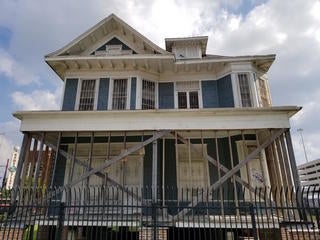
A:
(290, 29)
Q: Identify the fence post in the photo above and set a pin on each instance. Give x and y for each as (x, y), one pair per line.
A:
(253, 222)
(154, 218)
(59, 230)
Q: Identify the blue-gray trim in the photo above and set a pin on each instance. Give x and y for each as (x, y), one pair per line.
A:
(103, 94)
(133, 93)
(210, 98)
(225, 92)
(70, 93)
(166, 95)
(114, 41)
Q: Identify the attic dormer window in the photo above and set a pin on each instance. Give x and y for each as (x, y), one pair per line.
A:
(187, 51)
(113, 49)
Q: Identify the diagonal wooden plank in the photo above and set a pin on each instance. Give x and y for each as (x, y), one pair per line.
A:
(249, 157)
(99, 174)
(115, 159)
(214, 162)
(231, 172)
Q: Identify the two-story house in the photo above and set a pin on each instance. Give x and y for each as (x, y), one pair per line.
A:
(134, 115)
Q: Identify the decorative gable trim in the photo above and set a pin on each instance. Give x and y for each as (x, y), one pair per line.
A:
(112, 46)
(107, 27)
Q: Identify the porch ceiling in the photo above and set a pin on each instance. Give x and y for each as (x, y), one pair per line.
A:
(173, 119)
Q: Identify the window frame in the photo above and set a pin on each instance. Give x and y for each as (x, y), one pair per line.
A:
(245, 89)
(187, 91)
(250, 89)
(79, 90)
(155, 94)
(111, 90)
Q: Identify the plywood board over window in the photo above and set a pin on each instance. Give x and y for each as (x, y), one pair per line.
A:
(264, 92)
(192, 168)
(127, 172)
(256, 169)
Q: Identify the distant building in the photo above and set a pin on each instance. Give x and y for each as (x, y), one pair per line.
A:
(309, 173)
(12, 168)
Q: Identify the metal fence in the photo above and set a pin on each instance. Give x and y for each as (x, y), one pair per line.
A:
(106, 212)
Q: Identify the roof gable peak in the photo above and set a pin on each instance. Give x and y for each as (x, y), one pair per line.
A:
(104, 31)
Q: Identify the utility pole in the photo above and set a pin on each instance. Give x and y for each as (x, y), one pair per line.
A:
(300, 130)
(2, 166)
(4, 180)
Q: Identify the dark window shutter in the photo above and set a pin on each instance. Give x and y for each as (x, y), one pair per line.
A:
(133, 93)
(166, 95)
(225, 92)
(210, 98)
(103, 94)
(70, 94)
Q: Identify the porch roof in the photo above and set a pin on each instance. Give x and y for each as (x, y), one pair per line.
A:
(182, 119)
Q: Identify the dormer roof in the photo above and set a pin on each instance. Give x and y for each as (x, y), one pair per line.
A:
(187, 41)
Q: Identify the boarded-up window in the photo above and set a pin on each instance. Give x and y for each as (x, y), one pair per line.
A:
(264, 93)
(193, 171)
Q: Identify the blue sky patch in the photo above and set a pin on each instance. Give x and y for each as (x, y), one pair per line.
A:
(5, 37)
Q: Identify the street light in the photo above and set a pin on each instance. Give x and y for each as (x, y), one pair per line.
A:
(300, 130)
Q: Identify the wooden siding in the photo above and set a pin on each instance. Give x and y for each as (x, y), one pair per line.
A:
(166, 95)
(225, 92)
(133, 93)
(70, 94)
(210, 97)
(103, 94)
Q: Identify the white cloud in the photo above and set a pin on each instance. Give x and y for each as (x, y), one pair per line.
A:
(9, 138)
(14, 70)
(37, 100)
(6, 148)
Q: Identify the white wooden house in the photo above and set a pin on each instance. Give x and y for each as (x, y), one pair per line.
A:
(136, 115)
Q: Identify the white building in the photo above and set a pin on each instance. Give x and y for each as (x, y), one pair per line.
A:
(12, 167)
(309, 173)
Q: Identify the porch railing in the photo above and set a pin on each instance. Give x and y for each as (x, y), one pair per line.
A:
(104, 212)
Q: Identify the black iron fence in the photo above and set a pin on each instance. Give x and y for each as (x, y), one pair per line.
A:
(131, 213)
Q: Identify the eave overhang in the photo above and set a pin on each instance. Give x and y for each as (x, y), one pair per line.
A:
(173, 119)
(153, 63)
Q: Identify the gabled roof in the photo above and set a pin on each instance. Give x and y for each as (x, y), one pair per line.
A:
(107, 29)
